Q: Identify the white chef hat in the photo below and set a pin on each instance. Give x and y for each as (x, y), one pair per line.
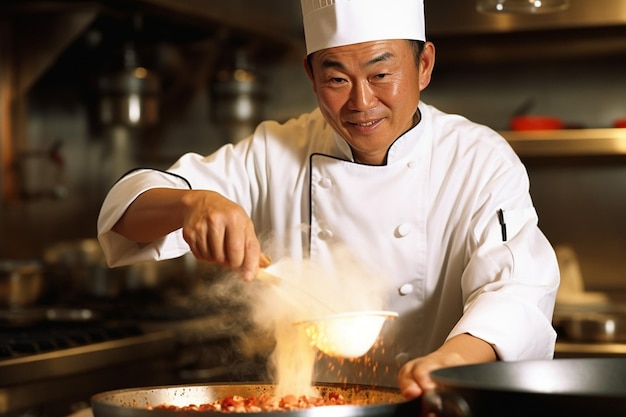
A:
(330, 23)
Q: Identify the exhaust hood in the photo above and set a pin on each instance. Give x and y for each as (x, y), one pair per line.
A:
(459, 30)
(585, 28)
(281, 19)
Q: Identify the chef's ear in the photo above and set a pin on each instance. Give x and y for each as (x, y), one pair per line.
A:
(427, 63)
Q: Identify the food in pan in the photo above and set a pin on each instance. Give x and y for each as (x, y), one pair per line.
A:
(258, 403)
(338, 400)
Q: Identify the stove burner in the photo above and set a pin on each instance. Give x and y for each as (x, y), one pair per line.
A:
(19, 342)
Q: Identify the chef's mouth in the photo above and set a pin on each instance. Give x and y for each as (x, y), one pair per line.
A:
(366, 125)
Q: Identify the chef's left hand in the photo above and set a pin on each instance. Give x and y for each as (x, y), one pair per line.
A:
(414, 377)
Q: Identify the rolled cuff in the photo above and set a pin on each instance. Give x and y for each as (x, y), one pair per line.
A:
(120, 251)
(518, 331)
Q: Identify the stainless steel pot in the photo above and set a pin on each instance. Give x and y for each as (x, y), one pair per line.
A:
(21, 283)
(381, 402)
(569, 387)
(593, 327)
(82, 264)
(130, 96)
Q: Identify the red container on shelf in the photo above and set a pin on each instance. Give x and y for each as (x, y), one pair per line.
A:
(535, 122)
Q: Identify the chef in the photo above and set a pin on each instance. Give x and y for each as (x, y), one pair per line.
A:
(439, 203)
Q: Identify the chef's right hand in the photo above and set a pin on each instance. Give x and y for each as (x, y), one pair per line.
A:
(216, 229)
(220, 231)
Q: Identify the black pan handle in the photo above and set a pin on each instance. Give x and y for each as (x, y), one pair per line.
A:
(444, 404)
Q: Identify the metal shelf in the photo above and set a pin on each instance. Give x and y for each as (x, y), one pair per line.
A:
(568, 142)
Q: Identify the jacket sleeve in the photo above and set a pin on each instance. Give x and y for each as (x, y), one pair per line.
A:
(511, 277)
(120, 251)
(232, 171)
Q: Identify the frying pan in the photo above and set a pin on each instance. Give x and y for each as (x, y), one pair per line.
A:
(381, 402)
(586, 387)
(569, 387)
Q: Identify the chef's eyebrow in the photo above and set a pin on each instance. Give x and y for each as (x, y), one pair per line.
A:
(329, 63)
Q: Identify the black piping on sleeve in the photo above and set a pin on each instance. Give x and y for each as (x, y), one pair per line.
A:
(159, 170)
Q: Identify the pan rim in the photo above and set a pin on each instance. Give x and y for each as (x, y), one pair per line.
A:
(456, 377)
(102, 401)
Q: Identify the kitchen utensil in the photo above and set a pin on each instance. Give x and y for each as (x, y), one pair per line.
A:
(568, 387)
(346, 335)
(265, 276)
(376, 401)
(21, 283)
(524, 108)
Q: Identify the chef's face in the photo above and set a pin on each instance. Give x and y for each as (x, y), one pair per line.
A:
(369, 92)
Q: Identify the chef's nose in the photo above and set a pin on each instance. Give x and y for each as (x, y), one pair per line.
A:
(362, 96)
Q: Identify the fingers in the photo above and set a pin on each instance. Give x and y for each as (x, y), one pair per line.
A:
(236, 246)
(414, 377)
(408, 381)
(264, 260)
(411, 391)
(251, 268)
(219, 231)
(251, 259)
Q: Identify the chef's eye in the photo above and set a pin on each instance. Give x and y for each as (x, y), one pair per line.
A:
(381, 76)
(337, 80)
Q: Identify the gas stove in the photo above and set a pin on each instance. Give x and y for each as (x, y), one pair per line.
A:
(54, 358)
(48, 351)
(44, 363)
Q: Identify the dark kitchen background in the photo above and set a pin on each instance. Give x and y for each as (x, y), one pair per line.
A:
(91, 89)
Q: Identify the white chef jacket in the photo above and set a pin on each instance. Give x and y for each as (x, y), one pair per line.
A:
(429, 218)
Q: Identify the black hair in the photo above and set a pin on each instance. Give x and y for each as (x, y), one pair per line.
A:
(418, 48)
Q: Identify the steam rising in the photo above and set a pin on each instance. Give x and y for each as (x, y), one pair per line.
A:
(309, 291)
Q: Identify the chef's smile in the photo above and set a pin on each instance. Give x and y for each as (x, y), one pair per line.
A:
(365, 127)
